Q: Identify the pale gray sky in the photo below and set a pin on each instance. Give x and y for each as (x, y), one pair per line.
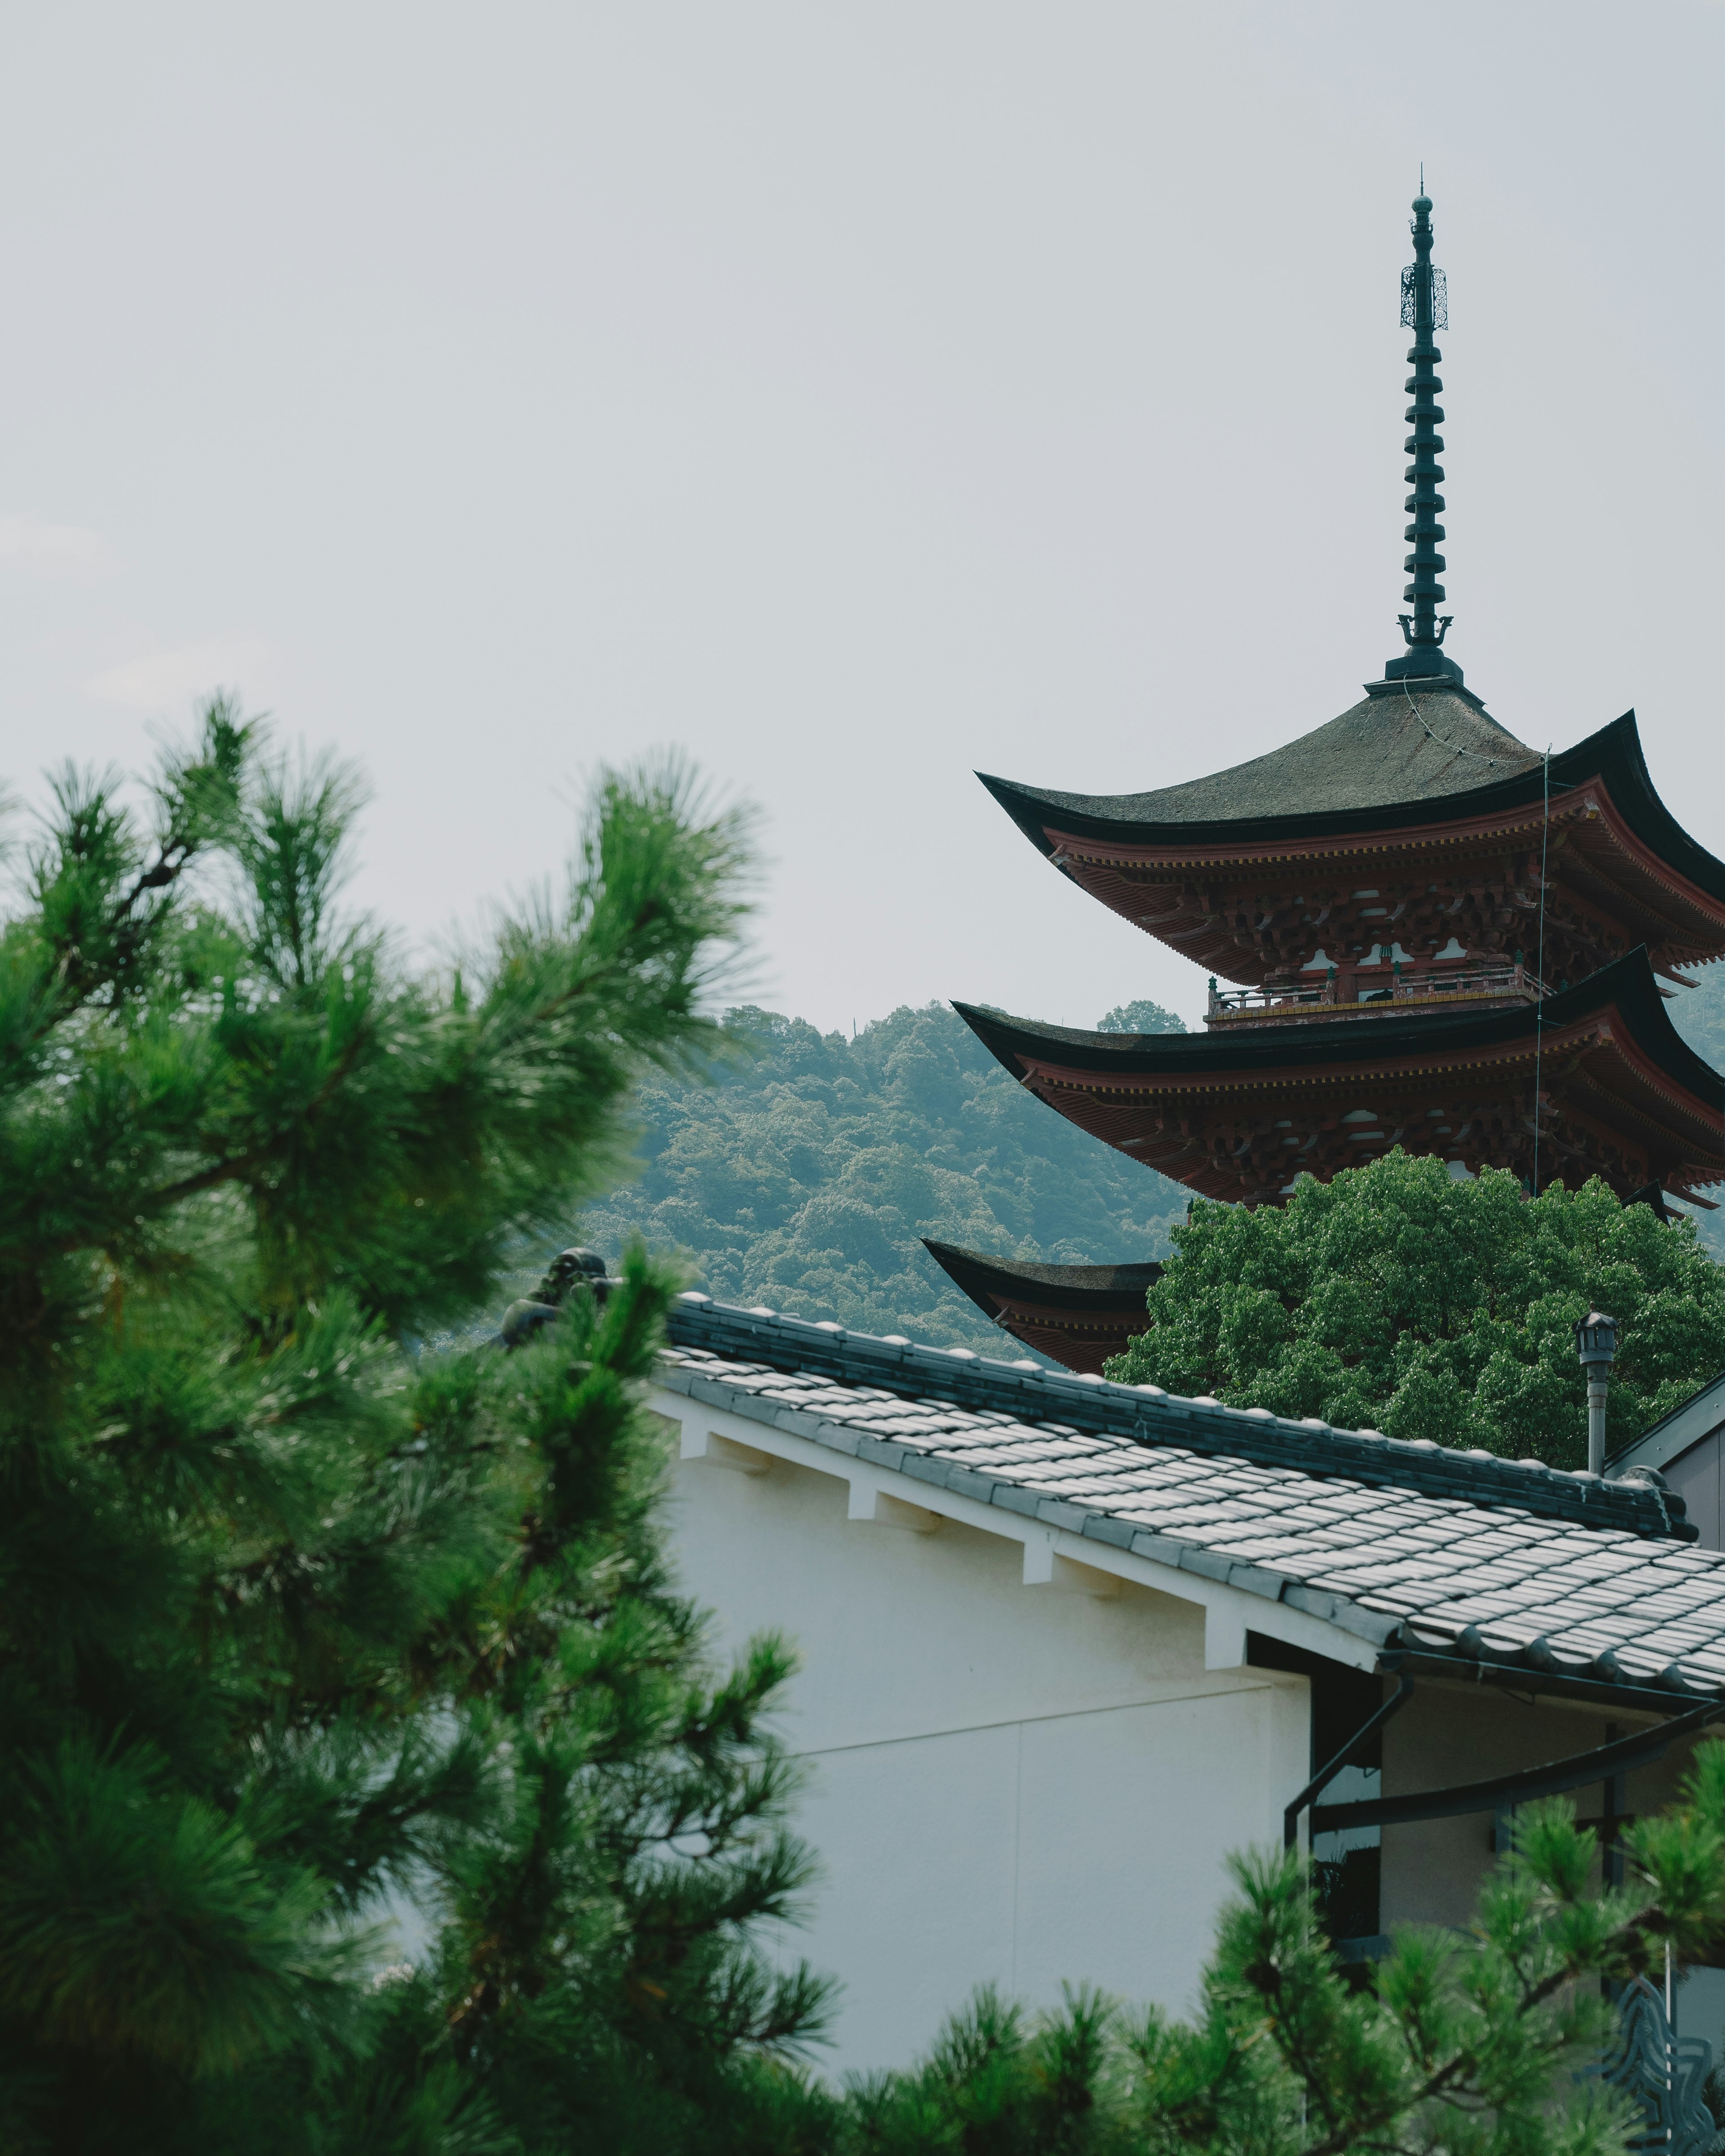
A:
(853, 395)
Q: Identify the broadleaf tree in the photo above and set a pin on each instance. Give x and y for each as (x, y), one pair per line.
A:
(319, 1617)
(1395, 1297)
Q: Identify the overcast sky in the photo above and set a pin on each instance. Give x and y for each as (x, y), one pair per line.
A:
(854, 396)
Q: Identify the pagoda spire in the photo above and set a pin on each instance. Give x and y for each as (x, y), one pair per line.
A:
(1425, 307)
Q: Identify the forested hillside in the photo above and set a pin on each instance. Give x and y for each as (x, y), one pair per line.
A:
(805, 1177)
(1699, 1015)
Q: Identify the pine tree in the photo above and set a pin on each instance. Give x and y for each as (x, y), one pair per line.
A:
(318, 1613)
(1484, 2042)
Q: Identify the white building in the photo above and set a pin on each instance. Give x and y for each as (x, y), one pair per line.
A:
(1068, 1644)
(1686, 1449)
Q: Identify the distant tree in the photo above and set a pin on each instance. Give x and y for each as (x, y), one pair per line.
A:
(1699, 1015)
(303, 1624)
(1140, 1016)
(1471, 2043)
(1396, 1298)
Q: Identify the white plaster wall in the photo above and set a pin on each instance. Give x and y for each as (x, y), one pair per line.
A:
(1452, 1733)
(1025, 1784)
(1695, 1476)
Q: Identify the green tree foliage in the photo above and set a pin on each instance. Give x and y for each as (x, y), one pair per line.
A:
(1140, 1016)
(300, 1627)
(1393, 1298)
(805, 1177)
(1472, 2043)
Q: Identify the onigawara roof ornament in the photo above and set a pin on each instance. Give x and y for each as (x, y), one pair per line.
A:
(1425, 307)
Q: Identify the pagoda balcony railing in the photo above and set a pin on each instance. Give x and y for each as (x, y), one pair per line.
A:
(1373, 989)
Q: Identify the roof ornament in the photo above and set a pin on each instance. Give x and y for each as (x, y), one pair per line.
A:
(1425, 307)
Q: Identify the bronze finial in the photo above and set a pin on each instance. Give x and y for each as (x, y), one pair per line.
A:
(1425, 308)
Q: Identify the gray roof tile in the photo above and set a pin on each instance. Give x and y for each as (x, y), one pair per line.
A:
(1286, 1525)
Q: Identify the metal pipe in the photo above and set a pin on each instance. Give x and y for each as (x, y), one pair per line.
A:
(1291, 1816)
(1619, 1757)
(1596, 1420)
(1596, 1344)
(1611, 1813)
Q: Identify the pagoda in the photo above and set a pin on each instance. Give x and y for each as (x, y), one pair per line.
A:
(1422, 933)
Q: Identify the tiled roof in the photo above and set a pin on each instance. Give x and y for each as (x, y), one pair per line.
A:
(1403, 1544)
(1428, 744)
(1389, 763)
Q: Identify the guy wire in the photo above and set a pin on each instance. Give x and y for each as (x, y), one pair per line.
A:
(1544, 852)
(1539, 968)
(1479, 756)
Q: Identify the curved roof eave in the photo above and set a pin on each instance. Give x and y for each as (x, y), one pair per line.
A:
(1075, 1288)
(1628, 983)
(1614, 754)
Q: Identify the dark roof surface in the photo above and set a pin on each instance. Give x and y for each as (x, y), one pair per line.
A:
(1628, 983)
(1101, 1288)
(1376, 768)
(1381, 751)
(939, 1380)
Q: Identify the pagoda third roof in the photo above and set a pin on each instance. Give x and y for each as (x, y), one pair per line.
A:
(1075, 1287)
(1387, 763)
(1628, 985)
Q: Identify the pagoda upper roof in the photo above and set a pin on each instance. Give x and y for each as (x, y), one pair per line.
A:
(1384, 751)
(1400, 757)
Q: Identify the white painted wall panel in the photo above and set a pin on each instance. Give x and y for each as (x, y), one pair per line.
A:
(918, 1847)
(903, 1633)
(1125, 1819)
(1695, 1476)
(1021, 1784)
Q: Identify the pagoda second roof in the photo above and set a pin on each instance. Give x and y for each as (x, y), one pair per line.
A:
(1386, 752)
(1626, 1097)
(1628, 985)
